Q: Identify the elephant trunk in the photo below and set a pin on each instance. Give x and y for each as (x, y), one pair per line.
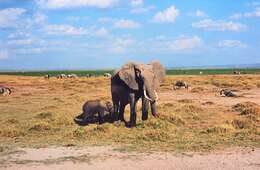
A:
(150, 94)
(154, 109)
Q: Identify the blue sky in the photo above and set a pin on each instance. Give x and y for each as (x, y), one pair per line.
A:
(90, 34)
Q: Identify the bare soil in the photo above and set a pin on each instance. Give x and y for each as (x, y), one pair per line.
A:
(107, 158)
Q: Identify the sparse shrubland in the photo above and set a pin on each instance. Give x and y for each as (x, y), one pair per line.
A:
(40, 113)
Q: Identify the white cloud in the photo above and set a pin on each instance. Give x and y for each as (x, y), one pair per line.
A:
(20, 42)
(219, 25)
(137, 2)
(120, 45)
(197, 13)
(141, 10)
(231, 44)
(64, 30)
(111, 45)
(236, 16)
(3, 54)
(255, 13)
(185, 43)
(100, 32)
(25, 42)
(39, 18)
(106, 19)
(168, 15)
(9, 17)
(28, 51)
(120, 23)
(254, 3)
(64, 4)
(18, 34)
(126, 24)
(164, 44)
(76, 18)
(69, 30)
(200, 13)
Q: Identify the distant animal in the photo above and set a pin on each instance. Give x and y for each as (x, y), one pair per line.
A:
(180, 84)
(5, 91)
(47, 76)
(92, 107)
(227, 93)
(61, 76)
(72, 76)
(89, 75)
(107, 75)
(236, 72)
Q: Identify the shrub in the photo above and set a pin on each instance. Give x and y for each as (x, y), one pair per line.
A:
(43, 126)
(11, 132)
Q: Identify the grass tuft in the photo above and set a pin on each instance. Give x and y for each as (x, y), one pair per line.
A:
(45, 115)
(223, 128)
(11, 132)
(247, 108)
(41, 127)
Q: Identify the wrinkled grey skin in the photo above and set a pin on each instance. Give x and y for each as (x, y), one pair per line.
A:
(179, 84)
(5, 91)
(92, 107)
(127, 87)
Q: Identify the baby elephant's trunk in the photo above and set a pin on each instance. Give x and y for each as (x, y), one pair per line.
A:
(109, 107)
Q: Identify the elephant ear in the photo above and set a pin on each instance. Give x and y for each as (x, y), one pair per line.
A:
(127, 74)
(159, 73)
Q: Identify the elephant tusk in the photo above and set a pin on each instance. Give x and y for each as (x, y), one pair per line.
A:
(78, 120)
(156, 95)
(145, 95)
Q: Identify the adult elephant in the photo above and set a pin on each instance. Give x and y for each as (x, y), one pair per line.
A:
(132, 82)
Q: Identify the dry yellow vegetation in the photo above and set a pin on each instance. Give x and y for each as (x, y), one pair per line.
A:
(40, 113)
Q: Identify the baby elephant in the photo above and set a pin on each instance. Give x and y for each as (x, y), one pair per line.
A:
(92, 107)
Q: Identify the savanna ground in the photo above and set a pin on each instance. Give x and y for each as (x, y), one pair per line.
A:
(37, 119)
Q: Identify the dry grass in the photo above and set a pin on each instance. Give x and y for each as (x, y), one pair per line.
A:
(40, 113)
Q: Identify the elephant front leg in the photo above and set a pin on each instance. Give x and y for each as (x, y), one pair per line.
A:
(114, 116)
(101, 117)
(121, 113)
(145, 108)
(132, 110)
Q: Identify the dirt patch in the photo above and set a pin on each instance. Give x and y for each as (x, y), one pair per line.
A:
(112, 158)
